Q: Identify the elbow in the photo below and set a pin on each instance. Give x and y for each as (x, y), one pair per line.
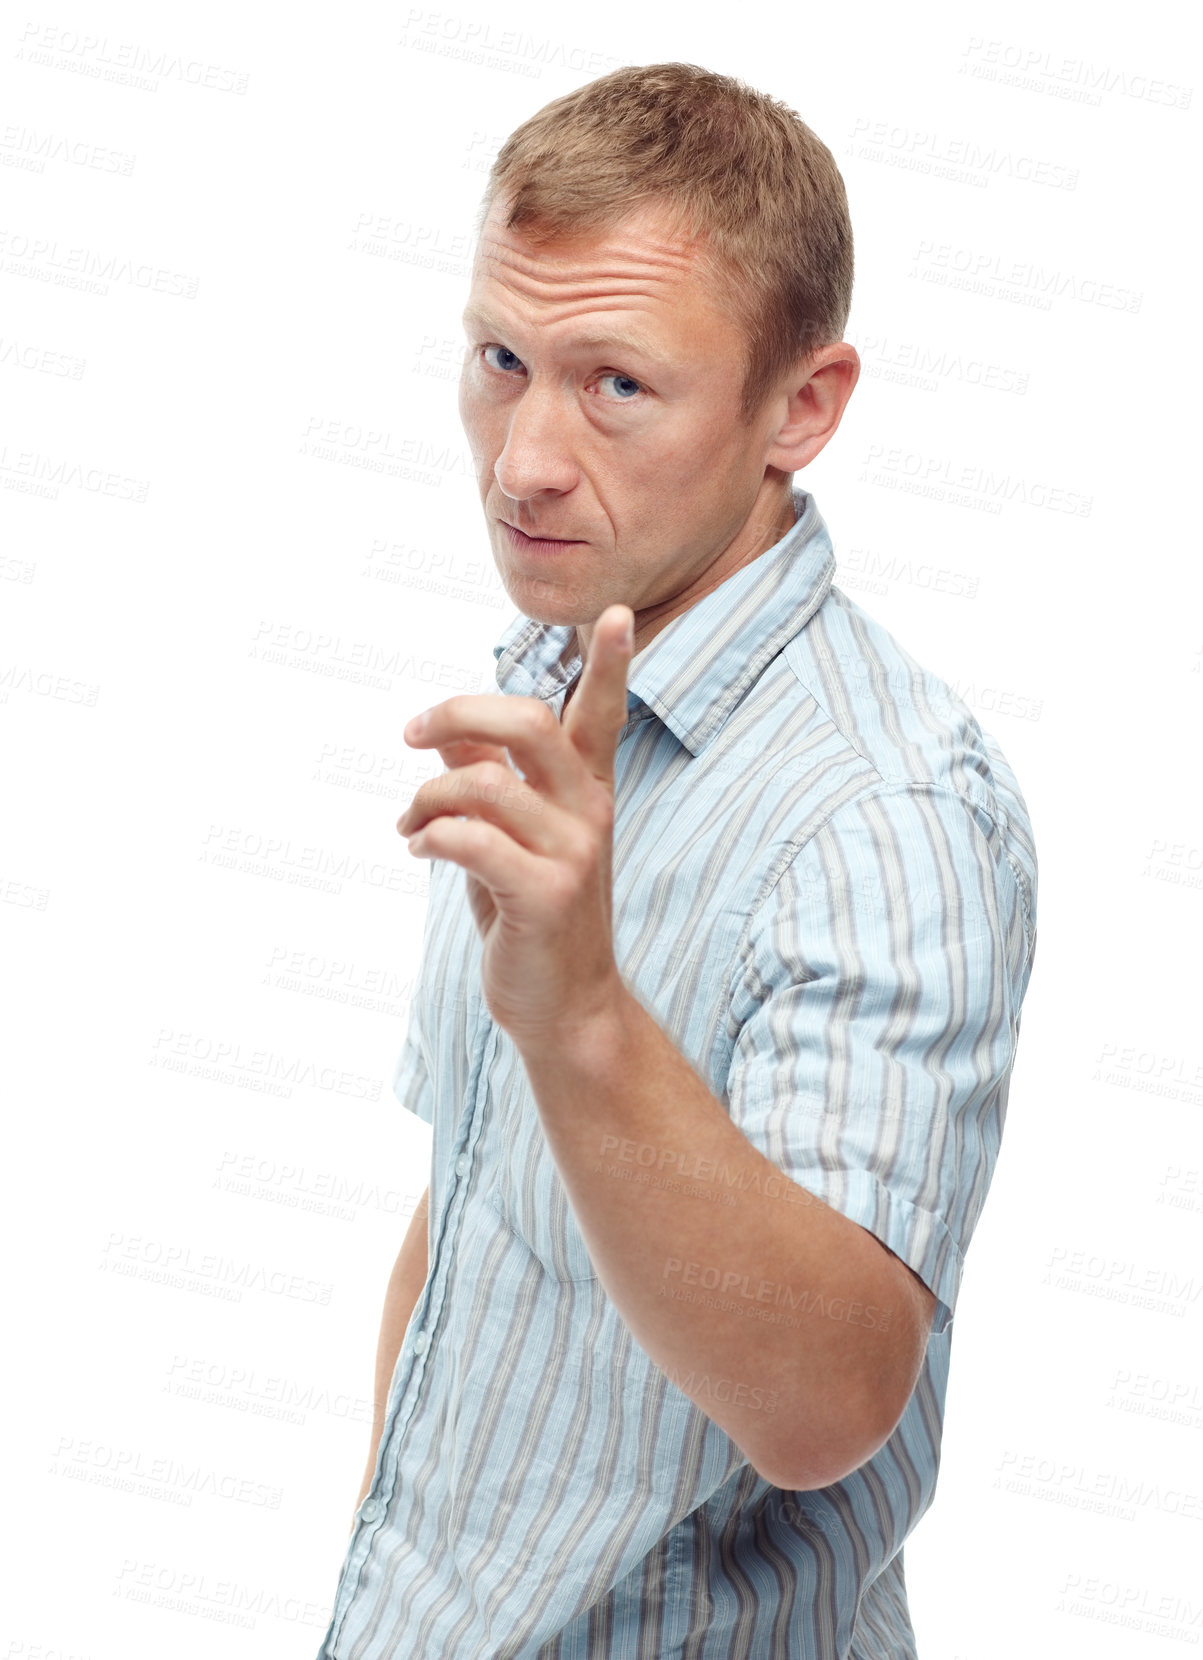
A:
(823, 1461)
(854, 1415)
(836, 1444)
(820, 1467)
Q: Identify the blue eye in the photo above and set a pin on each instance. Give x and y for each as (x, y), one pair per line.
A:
(626, 387)
(506, 359)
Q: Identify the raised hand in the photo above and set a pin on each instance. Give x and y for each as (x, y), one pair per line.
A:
(537, 849)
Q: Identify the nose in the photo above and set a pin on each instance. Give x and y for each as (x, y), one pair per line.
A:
(538, 452)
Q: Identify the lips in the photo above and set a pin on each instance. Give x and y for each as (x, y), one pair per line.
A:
(542, 540)
(536, 536)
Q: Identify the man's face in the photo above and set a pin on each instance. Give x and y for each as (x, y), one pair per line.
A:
(600, 395)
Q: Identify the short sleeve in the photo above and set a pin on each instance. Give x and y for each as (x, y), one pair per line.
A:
(411, 1079)
(877, 1007)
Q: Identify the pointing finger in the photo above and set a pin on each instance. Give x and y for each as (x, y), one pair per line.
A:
(597, 712)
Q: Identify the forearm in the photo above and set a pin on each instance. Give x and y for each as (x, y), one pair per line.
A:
(729, 1276)
(404, 1288)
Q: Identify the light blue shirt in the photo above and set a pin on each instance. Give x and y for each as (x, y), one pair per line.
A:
(825, 893)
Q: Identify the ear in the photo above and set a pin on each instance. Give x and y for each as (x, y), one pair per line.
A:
(811, 401)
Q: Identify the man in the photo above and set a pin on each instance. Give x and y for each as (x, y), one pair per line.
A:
(728, 933)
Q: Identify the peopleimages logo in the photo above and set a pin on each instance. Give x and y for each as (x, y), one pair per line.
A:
(123, 61)
(731, 1284)
(168, 1263)
(475, 40)
(38, 255)
(1076, 79)
(289, 1070)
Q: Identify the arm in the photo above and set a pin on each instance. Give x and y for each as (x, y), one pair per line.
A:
(876, 1003)
(848, 1321)
(404, 1288)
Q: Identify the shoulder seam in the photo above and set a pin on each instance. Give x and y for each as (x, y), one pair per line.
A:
(792, 848)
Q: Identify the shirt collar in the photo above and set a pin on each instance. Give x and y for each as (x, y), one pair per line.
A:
(697, 668)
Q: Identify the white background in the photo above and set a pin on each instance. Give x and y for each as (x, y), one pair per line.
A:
(241, 545)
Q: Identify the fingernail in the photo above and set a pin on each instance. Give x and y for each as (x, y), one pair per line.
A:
(630, 633)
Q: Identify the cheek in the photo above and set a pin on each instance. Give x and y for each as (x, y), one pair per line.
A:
(703, 457)
(695, 480)
(468, 406)
(480, 426)
(659, 481)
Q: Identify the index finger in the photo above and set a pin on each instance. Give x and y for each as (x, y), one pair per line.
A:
(598, 710)
(523, 725)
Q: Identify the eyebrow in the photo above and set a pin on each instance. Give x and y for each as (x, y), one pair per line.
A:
(591, 342)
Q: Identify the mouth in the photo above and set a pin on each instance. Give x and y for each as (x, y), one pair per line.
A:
(536, 544)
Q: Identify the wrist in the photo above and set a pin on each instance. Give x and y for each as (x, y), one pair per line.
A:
(587, 1042)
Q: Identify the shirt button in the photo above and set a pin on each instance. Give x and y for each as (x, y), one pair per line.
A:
(420, 1342)
(370, 1509)
(461, 1164)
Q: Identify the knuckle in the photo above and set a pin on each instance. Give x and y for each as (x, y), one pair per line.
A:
(563, 886)
(580, 855)
(540, 718)
(492, 781)
(494, 772)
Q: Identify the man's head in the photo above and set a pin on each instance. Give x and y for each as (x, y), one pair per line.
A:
(742, 174)
(655, 325)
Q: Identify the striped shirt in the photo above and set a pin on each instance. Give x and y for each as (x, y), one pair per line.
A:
(824, 892)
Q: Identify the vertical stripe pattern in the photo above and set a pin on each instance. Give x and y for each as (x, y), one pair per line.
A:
(825, 892)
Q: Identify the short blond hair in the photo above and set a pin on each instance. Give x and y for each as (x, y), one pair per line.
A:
(738, 170)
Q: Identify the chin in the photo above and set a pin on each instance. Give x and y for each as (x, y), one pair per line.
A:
(543, 601)
(554, 603)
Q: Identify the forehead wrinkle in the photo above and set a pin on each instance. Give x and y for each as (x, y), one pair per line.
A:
(586, 288)
(574, 301)
(569, 306)
(592, 286)
(586, 278)
(610, 261)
